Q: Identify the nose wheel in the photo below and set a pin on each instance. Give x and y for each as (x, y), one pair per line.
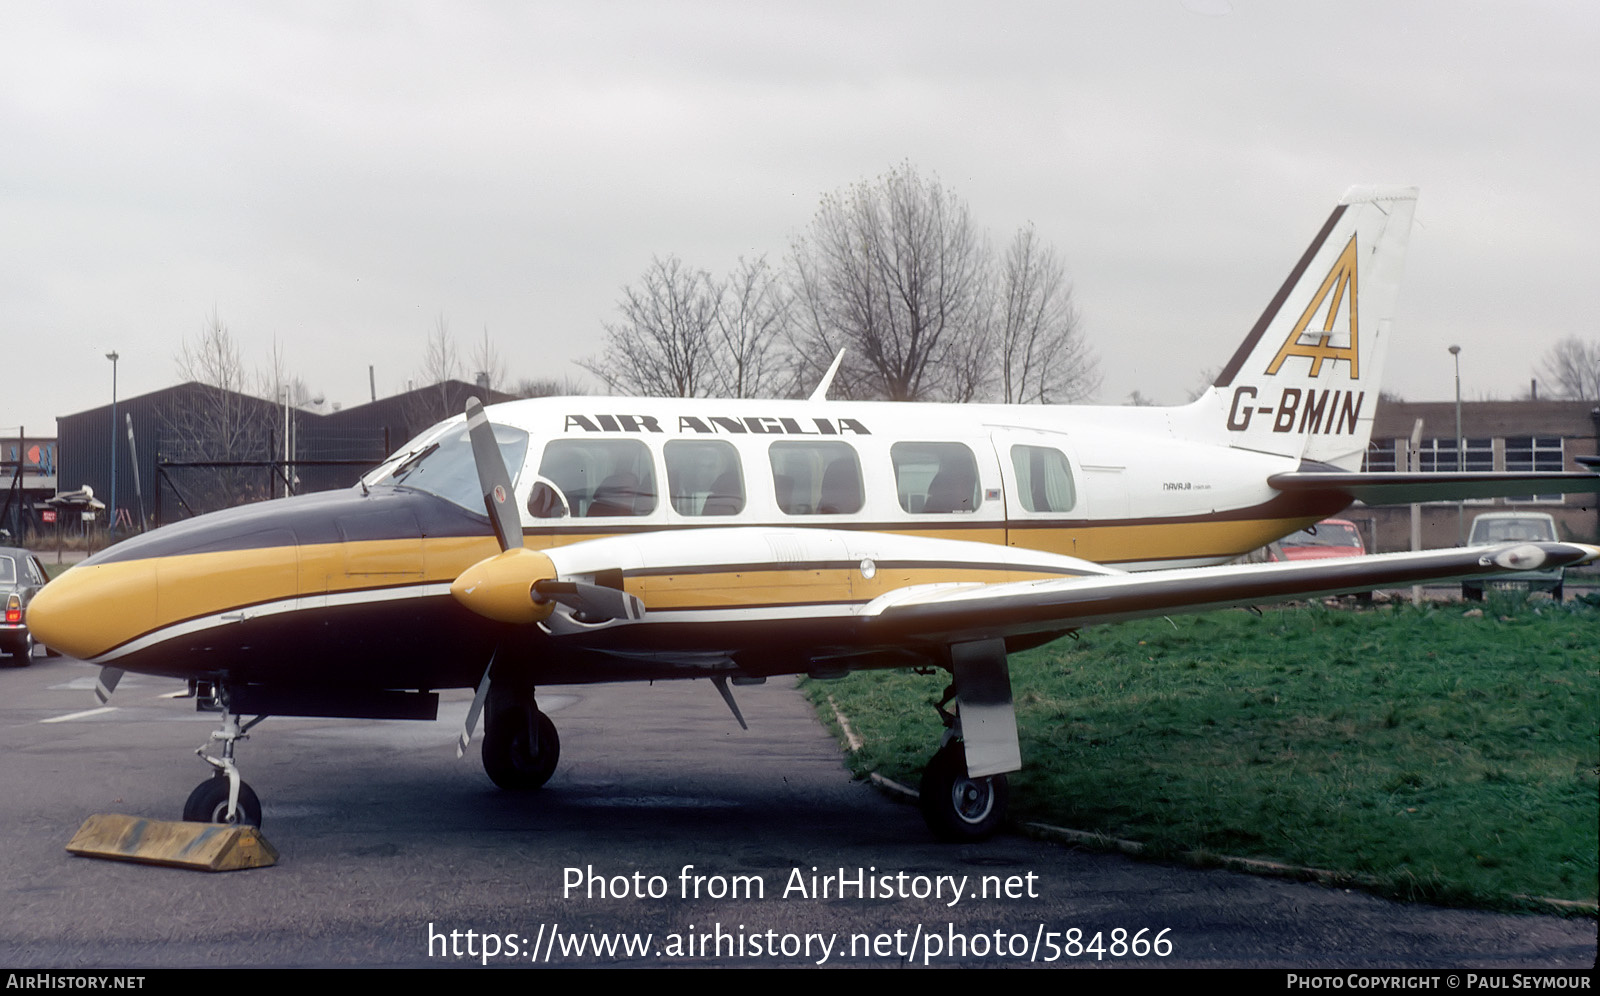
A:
(224, 797)
(210, 803)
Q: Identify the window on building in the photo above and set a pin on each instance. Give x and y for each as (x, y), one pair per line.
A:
(1534, 453)
(1478, 455)
(1379, 458)
(1438, 456)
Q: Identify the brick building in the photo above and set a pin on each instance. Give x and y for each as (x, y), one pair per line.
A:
(1498, 436)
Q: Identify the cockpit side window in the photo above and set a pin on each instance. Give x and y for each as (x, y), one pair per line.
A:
(704, 477)
(935, 477)
(602, 477)
(816, 478)
(1044, 479)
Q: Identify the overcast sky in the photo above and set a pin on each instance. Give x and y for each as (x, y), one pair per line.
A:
(336, 176)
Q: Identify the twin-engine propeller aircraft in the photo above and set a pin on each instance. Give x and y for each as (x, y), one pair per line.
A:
(573, 540)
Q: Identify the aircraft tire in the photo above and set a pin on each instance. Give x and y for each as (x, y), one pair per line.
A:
(506, 758)
(208, 803)
(958, 808)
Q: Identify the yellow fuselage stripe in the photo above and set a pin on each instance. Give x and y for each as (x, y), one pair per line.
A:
(133, 598)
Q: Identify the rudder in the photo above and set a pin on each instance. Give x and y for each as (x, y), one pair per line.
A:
(1305, 381)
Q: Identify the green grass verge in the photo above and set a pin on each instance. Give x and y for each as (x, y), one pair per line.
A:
(1429, 755)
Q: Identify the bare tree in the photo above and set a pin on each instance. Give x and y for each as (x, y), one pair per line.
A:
(1573, 365)
(666, 343)
(488, 369)
(752, 323)
(548, 387)
(1043, 357)
(433, 400)
(217, 421)
(893, 272)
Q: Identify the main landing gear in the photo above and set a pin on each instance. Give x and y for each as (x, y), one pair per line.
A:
(224, 797)
(980, 736)
(956, 806)
(520, 745)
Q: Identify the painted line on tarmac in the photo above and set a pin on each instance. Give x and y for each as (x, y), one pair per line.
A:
(69, 717)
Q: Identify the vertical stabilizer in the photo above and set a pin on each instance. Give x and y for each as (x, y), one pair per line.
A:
(1305, 381)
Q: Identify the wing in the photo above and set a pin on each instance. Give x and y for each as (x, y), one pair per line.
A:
(967, 611)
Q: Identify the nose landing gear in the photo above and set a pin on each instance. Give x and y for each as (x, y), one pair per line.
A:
(224, 797)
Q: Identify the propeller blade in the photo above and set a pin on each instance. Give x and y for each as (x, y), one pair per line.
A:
(596, 603)
(493, 477)
(107, 683)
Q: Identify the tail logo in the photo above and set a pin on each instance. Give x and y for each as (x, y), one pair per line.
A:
(1339, 285)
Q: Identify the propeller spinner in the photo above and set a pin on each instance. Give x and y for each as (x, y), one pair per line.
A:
(518, 585)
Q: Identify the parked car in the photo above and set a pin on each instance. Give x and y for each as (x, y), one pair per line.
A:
(1328, 538)
(1515, 527)
(21, 577)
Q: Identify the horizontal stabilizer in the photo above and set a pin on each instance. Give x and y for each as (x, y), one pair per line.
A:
(1404, 489)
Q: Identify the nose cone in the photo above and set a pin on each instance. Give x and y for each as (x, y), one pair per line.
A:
(93, 608)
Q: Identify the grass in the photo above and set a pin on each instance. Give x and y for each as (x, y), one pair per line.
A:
(1426, 754)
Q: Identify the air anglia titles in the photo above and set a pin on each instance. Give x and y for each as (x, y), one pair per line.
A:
(757, 425)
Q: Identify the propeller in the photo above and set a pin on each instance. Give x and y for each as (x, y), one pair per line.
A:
(107, 683)
(519, 585)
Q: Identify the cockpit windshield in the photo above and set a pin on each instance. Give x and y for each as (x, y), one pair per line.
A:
(443, 465)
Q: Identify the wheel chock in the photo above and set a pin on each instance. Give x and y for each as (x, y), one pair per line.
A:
(200, 846)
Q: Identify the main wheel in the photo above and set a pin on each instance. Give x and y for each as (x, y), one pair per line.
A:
(512, 757)
(208, 803)
(956, 806)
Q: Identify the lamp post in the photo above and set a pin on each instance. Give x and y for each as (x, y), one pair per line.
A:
(1461, 446)
(111, 526)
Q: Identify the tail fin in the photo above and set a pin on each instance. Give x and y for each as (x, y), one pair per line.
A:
(1305, 381)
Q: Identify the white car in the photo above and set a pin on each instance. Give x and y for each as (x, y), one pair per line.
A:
(1513, 527)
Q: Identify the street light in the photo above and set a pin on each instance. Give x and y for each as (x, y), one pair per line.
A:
(111, 526)
(1461, 446)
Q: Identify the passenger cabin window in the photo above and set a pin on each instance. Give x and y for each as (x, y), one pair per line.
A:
(935, 477)
(703, 477)
(816, 478)
(601, 477)
(1044, 479)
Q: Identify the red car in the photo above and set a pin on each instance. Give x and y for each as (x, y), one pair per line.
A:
(1328, 538)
